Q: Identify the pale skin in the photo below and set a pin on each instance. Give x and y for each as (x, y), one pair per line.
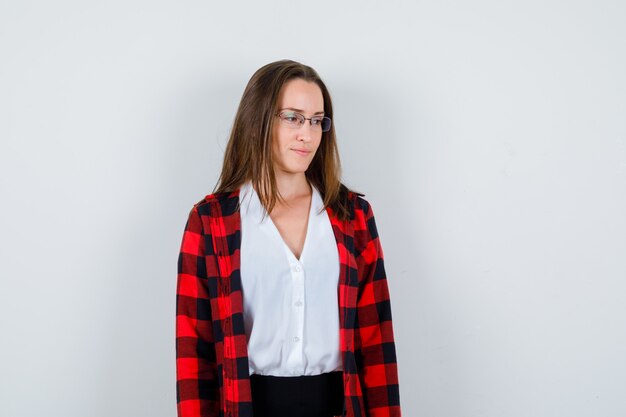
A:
(291, 219)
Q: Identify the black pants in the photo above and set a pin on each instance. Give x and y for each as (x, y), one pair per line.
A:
(297, 396)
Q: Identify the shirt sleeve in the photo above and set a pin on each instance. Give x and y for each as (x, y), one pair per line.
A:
(375, 351)
(197, 389)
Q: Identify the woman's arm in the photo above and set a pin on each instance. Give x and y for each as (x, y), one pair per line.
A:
(375, 347)
(197, 390)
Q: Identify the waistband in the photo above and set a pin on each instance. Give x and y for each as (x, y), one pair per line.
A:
(303, 395)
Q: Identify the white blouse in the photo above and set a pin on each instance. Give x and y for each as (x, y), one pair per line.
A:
(291, 311)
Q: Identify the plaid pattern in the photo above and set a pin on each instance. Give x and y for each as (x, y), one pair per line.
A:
(212, 378)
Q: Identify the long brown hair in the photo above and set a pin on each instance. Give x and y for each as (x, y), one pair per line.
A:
(248, 154)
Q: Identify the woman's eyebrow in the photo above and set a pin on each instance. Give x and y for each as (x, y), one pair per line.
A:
(300, 110)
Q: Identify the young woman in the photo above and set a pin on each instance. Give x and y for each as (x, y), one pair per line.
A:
(282, 301)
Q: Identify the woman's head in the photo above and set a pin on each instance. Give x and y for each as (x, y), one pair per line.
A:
(260, 144)
(294, 145)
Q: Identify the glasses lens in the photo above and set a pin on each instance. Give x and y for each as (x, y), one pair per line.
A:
(326, 124)
(292, 119)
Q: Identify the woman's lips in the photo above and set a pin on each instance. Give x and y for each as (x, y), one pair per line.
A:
(302, 153)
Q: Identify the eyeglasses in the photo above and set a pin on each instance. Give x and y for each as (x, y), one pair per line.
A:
(295, 120)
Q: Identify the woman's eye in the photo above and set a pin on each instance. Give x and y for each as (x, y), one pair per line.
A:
(291, 118)
(316, 121)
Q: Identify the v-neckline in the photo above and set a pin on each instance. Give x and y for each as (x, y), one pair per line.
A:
(286, 247)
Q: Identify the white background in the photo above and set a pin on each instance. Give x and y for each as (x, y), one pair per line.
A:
(489, 137)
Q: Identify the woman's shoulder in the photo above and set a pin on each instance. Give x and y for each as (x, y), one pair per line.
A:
(358, 204)
(227, 202)
(357, 198)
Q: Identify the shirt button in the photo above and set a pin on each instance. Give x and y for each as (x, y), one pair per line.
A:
(298, 303)
(296, 268)
(296, 339)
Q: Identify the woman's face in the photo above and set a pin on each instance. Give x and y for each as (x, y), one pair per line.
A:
(306, 98)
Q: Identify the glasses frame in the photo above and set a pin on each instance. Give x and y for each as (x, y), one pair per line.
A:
(330, 121)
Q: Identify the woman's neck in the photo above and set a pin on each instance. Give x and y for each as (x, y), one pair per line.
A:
(293, 186)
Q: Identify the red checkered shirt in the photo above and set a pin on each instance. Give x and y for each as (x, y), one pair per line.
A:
(212, 373)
